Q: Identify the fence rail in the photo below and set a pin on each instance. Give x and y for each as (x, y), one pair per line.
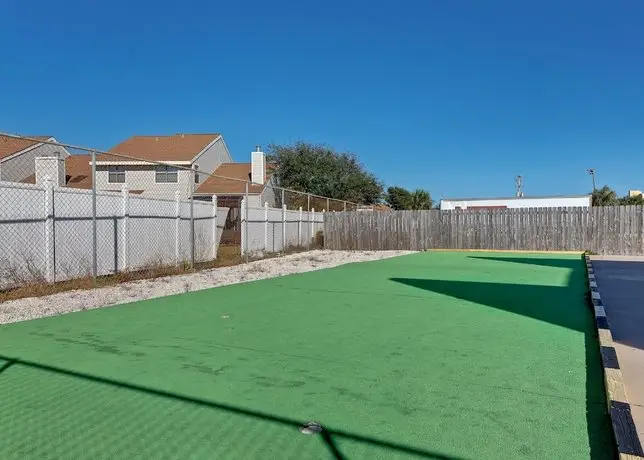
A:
(615, 230)
(68, 211)
(272, 230)
(46, 232)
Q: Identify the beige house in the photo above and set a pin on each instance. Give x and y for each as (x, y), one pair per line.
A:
(18, 156)
(201, 152)
(229, 180)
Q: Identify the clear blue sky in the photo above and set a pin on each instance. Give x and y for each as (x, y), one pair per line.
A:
(454, 96)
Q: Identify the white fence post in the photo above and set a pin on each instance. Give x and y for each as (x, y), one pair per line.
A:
(265, 226)
(244, 213)
(312, 217)
(283, 227)
(50, 262)
(215, 241)
(125, 249)
(177, 227)
(299, 229)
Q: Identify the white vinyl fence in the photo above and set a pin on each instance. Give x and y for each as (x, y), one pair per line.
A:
(46, 232)
(271, 230)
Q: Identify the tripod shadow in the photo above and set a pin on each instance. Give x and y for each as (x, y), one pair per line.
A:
(328, 435)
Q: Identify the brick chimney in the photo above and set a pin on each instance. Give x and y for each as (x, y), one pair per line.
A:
(52, 167)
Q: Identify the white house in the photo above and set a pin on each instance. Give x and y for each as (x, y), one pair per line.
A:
(449, 204)
(203, 152)
(18, 156)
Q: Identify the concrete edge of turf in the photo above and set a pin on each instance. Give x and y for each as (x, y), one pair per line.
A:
(619, 409)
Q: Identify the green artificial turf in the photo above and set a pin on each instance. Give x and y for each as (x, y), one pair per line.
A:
(433, 355)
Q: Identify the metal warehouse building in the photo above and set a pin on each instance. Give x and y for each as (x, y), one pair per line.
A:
(449, 204)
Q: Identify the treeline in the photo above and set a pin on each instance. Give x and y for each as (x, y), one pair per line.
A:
(321, 170)
(606, 196)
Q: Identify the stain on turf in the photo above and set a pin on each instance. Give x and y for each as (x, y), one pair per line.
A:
(204, 369)
(308, 377)
(99, 346)
(274, 382)
(404, 410)
(549, 386)
(111, 349)
(353, 394)
(42, 334)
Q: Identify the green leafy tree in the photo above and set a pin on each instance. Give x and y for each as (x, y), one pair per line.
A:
(632, 200)
(398, 198)
(605, 196)
(420, 199)
(320, 170)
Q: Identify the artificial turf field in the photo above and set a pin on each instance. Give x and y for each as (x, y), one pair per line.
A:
(433, 355)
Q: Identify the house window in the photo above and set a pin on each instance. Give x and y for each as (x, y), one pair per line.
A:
(196, 168)
(116, 175)
(166, 174)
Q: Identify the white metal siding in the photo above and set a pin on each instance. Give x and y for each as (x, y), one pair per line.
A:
(546, 202)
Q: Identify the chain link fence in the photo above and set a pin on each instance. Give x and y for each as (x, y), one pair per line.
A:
(76, 212)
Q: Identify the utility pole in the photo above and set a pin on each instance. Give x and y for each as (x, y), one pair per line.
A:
(591, 171)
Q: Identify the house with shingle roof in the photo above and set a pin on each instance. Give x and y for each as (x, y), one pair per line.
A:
(76, 171)
(18, 156)
(160, 165)
(229, 180)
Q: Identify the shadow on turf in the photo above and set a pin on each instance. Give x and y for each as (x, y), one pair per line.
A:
(540, 302)
(7, 365)
(328, 435)
(633, 339)
(569, 263)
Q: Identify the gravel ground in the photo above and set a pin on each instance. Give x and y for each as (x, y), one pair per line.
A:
(37, 307)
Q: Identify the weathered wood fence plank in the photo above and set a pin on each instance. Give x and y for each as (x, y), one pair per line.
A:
(604, 230)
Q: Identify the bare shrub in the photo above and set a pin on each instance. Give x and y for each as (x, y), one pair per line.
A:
(318, 241)
(20, 272)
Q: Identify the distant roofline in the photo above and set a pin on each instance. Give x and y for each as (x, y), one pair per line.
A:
(176, 134)
(516, 198)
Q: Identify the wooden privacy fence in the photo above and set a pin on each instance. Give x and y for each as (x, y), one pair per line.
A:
(604, 230)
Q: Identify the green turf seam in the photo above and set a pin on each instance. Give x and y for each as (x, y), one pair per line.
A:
(619, 409)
